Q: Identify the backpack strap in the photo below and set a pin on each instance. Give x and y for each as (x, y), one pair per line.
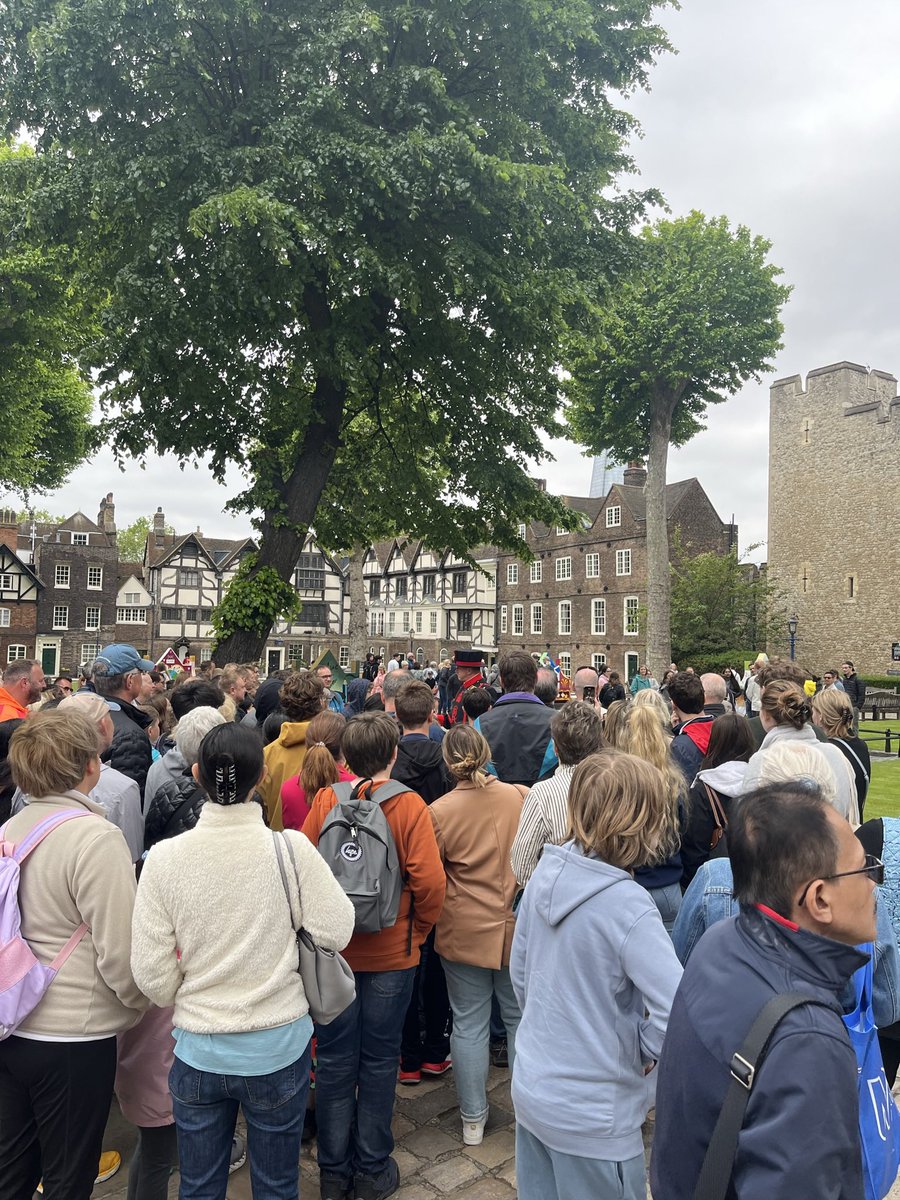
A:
(847, 746)
(35, 836)
(715, 1174)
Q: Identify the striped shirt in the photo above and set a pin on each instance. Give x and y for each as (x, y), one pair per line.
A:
(545, 818)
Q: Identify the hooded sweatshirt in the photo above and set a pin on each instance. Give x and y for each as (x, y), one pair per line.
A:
(420, 765)
(588, 1006)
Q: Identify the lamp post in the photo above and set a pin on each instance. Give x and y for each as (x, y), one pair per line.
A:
(792, 631)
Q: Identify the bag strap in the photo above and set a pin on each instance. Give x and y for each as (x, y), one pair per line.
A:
(715, 804)
(715, 1174)
(279, 840)
(841, 742)
(181, 808)
(36, 835)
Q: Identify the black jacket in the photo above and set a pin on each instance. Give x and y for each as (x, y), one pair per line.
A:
(130, 752)
(175, 808)
(610, 693)
(420, 765)
(800, 1135)
(855, 689)
(517, 729)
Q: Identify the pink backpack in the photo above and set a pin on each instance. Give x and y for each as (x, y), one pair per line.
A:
(23, 979)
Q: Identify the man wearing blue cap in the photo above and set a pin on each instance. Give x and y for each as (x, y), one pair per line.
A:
(118, 676)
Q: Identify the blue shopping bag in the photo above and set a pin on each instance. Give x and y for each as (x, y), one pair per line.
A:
(879, 1120)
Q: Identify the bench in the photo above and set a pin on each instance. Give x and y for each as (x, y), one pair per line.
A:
(879, 705)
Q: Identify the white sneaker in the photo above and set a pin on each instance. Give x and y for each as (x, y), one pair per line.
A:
(473, 1132)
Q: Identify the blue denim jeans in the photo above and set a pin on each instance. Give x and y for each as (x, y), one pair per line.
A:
(357, 1057)
(206, 1108)
(471, 990)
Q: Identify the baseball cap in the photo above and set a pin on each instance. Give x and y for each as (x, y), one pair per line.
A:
(121, 660)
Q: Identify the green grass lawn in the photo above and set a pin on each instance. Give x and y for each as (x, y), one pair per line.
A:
(883, 799)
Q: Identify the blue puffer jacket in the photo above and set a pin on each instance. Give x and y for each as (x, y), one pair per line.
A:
(518, 732)
(800, 1135)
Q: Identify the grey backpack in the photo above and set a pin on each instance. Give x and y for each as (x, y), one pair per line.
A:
(357, 843)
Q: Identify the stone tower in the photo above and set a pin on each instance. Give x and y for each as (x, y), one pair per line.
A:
(834, 514)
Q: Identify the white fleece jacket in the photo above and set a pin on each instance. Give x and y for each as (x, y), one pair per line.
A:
(212, 933)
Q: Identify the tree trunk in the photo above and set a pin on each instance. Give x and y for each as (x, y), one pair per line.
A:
(659, 632)
(357, 630)
(284, 529)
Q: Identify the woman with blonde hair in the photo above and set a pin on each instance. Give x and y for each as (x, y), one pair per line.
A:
(833, 713)
(475, 826)
(323, 765)
(785, 714)
(614, 723)
(647, 734)
(578, 1126)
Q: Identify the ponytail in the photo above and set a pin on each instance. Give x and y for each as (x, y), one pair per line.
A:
(229, 763)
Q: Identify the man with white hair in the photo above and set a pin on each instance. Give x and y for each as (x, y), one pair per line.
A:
(715, 690)
(176, 804)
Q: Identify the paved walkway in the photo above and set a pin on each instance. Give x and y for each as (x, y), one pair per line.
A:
(432, 1159)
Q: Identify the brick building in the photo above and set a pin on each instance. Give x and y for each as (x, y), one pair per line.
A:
(77, 563)
(834, 514)
(19, 591)
(582, 596)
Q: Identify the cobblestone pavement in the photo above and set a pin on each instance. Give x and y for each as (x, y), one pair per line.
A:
(432, 1159)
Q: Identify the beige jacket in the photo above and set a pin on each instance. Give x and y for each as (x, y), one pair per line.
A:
(81, 872)
(475, 829)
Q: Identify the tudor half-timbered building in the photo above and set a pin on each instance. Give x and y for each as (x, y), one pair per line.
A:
(19, 590)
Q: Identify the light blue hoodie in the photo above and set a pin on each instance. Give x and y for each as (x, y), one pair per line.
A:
(589, 957)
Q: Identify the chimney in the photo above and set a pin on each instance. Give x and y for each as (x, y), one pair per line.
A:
(106, 518)
(9, 530)
(635, 475)
(540, 484)
(159, 527)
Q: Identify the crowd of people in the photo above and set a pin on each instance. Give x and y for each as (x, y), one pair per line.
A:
(600, 894)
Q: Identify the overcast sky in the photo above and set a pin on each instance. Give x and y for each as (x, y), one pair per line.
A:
(785, 116)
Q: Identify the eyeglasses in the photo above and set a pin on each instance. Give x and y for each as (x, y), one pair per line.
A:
(874, 868)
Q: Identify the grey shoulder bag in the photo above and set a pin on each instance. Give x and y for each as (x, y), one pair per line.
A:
(328, 979)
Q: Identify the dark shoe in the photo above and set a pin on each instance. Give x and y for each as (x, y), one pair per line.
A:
(499, 1054)
(377, 1187)
(334, 1189)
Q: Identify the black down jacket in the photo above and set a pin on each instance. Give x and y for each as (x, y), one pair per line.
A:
(130, 752)
(174, 808)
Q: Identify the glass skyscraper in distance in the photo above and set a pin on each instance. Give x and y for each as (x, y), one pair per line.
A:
(604, 474)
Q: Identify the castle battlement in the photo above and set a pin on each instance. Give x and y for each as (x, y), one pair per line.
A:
(854, 387)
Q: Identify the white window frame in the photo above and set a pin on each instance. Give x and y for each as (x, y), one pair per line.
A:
(598, 662)
(90, 651)
(182, 582)
(5, 614)
(392, 622)
(598, 616)
(512, 573)
(344, 657)
(433, 621)
(418, 622)
(62, 623)
(504, 619)
(89, 609)
(537, 626)
(592, 566)
(630, 609)
(564, 609)
(521, 532)
(131, 615)
(565, 665)
(537, 573)
(560, 532)
(14, 653)
(405, 620)
(623, 562)
(518, 618)
(563, 568)
(132, 600)
(80, 539)
(7, 582)
(62, 571)
(613, 516)
(94, 587)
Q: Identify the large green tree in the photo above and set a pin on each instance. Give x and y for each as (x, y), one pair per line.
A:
(693, 320)
(45, 399)
(309, 215)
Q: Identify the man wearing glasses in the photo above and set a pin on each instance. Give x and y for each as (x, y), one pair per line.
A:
(807, 896)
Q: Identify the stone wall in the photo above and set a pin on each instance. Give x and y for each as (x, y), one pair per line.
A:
(834, 514)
